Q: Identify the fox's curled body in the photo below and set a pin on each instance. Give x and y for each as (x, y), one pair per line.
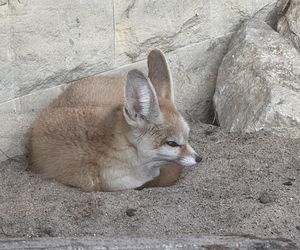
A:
(113, 133)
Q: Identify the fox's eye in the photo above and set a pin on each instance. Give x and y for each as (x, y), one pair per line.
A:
(172, 144)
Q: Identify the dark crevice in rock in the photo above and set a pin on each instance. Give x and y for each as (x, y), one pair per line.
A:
(280, 9)
(288, 4)
(214, 114)
(2, 152)
(271, 13)
(165, 43)
(283, 25)
(3, 2)
(129, 8)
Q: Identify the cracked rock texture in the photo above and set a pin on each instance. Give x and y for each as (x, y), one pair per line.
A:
(175, 24)
(44, 45)
(289, 23)
(258, 85)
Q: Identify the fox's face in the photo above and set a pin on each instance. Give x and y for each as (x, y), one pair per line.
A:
(158, 131)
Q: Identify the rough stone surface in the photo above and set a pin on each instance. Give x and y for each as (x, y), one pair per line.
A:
(17, 116)
(219, 196)
(195, 71)
(266, 197)
(175, 24)
(46, 43)
(271, 13)
(258, 85)
(289, 23)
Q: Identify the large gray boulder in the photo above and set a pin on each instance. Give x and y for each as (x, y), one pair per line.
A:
(258, 84)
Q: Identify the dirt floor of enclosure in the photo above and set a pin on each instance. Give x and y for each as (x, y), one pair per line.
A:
(246, 184)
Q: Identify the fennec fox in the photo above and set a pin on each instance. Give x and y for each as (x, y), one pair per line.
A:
(112, 133)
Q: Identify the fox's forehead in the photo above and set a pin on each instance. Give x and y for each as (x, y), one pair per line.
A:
(173, 121)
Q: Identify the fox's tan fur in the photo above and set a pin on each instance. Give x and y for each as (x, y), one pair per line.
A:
(96, 137)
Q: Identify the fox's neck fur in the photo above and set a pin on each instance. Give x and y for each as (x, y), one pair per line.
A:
(126, 166)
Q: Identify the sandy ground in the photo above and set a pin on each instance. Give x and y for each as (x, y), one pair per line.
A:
(246, 184)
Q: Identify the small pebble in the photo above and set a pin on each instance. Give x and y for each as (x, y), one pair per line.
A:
(266, 197)
(298, 228)
(288, 183)
(130, 212)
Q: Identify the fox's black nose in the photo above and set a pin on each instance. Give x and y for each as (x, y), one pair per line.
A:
(198, 158)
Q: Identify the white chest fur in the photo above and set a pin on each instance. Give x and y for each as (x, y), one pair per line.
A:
(125, 179)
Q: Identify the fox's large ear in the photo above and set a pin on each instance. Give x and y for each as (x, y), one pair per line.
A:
(159, 74)
(141, 105)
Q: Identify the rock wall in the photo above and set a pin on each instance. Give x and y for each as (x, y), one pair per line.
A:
(44, 45)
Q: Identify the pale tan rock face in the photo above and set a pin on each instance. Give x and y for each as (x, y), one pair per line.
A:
(46, 44)
(17, 116)
(258, 85)
(169, 25)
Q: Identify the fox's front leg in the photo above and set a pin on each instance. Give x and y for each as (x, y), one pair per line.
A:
(169, 175)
